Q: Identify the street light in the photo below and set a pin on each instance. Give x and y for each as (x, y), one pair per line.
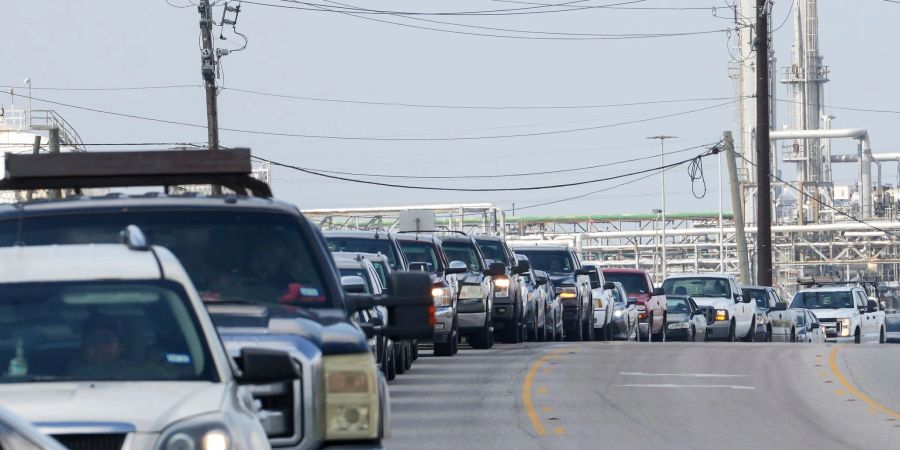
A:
(662, 159)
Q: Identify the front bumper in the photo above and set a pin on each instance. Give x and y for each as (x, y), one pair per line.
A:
(503, 310)
(619, 327)
(599, 317)
(718, 329)
(471, 321)
(443, 324)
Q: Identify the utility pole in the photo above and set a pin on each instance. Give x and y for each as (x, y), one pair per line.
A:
(208, 70)
(737, 206)
(763, 164)
(662, 162)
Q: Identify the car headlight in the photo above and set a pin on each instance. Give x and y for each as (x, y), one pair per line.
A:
(441, 296)
(501, 287)
(566, 292)
(678, 325)
(618, 313)
(721, 315)
(471, 291)
(206, 432)
(844, 325)
(351, 397)
(760, 318)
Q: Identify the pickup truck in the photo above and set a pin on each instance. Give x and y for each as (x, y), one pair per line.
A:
(651, 301)
(510, 292)
(604, 305)
(845, 312)
(262, 269)
(729, 315)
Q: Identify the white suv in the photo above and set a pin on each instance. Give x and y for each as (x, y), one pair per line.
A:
(730, 316)
(845, 312)
(112, 342)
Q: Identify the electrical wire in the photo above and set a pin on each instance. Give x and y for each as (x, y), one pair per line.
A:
(124, 88)
(695, 173)
(820, 202)
(535, 9)
(711, 151)
(506, 175)
(786, 17)
(384, 139)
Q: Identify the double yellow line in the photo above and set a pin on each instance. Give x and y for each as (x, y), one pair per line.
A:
(839, 376)
(527, 387)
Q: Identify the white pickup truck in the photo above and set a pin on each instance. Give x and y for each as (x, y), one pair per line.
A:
(845, 312)
(730, 316)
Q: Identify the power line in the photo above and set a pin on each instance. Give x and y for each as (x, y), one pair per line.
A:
(505, 175)
(711, 151)
(529, 10)
(384, 139)
(121, 88)
(820, 202)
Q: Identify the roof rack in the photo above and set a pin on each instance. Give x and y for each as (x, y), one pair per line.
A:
(229, 168)
(463, 233)
(825, 281)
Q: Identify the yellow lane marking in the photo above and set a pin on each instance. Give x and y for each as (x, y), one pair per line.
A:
(546, 369)
(547, 410)
(526, 397)
(559, 431)
(840, 392)
(542, 390)
(873, 404)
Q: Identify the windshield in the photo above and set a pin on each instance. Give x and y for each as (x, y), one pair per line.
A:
(697, 287)
(364, 245)
(634, 283)
(557, 263)
(677, 305)
(465, 252)
(492, 250)
(759, 295)
(358, 272)
(97, 331)
(247, 256)
(823, 300)
(421, 253)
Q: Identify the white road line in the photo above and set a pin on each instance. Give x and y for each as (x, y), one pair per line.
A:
(690, 386)
(692, 375)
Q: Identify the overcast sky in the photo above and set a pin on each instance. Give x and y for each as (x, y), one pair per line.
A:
(309, 53)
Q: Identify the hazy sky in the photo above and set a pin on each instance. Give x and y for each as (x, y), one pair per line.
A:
(309, 53)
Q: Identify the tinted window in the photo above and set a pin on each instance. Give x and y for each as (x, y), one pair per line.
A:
(492, 250)
(421, 252)
(698, 287)
(759, 295)
(634, 283)
(560, 262)
(364, 245)
(249, 256)
(465, 252)
(677, 305)
(823, 300)
(801, 319)
(93, 331)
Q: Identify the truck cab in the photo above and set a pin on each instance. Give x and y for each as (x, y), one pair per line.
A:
(845, 312)
(729, 315)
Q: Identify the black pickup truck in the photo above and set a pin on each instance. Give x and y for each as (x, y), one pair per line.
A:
(263, 270)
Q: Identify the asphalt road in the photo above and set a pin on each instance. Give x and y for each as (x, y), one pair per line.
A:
(640, 395)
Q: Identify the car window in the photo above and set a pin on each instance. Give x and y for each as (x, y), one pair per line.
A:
(359, 272)
(801, 319)
(698, 287)
(823, 300)
(465, 252)
(99, 331)
(760, 296)
(677, 305)
(493, 250)
(861, 299)
(422, 252)
(364, 245)
(248, 256)
(381, 271)
(553, 262)
(634, 283)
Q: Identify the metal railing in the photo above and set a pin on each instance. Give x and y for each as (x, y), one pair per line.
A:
(48, 119)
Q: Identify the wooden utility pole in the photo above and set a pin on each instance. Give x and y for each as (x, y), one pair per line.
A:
(764, 191)
(208, 70)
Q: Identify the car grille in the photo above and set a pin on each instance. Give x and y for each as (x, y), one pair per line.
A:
(827, 320)
(91, 441)
(280, 406)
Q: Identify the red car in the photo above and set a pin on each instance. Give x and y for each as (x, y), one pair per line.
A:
(639, 287)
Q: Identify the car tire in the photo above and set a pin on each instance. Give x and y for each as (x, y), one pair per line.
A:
(578, 330)
(531, 334)
(482, 339)
(768, 334)
(793, 335)
(399, 358)
(732, 329)
(882, 338)
(589, 326)
(751, 335)
(661, 336)
(389, 364)
(857, 337)
(693, 334)
(410, 352)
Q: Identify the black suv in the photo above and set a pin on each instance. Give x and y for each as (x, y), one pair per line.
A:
(263, 270)
(572, 286)
(476, 290)
(510, 292)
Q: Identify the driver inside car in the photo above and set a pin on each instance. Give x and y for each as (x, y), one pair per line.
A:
(104, 354)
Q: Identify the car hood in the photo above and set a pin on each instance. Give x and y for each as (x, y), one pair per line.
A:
(149, 406)
(563, 279)
(328, 331)
(470, 277)
(840, 313)
(677, 317)
(715, 302)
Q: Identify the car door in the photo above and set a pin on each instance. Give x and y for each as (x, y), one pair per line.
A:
(743, 311)
(867, 319)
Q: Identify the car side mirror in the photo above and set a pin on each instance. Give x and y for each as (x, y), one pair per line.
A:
(814, 326)
(540, 281)
(457, 267)
(746, 298)
(356, 302)
(496, 269)
(523, 266)
(872, 305)
(738, 298)
(609, 286)
(781, 306)
(265, 366)
(410, 307)
(658, 291)
(353, 284)
(631, 301)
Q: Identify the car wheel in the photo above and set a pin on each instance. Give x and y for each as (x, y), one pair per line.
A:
(769, 334)
(399, 358)
(883, 337)
(531, 335)
(415, 350)
(483, 338)
(857, 337)
(731, 332)
(577, 330)
(661, 336)
(793, 335)
(408, 348)
(693, 334)
(751, 335)
(389, 364)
